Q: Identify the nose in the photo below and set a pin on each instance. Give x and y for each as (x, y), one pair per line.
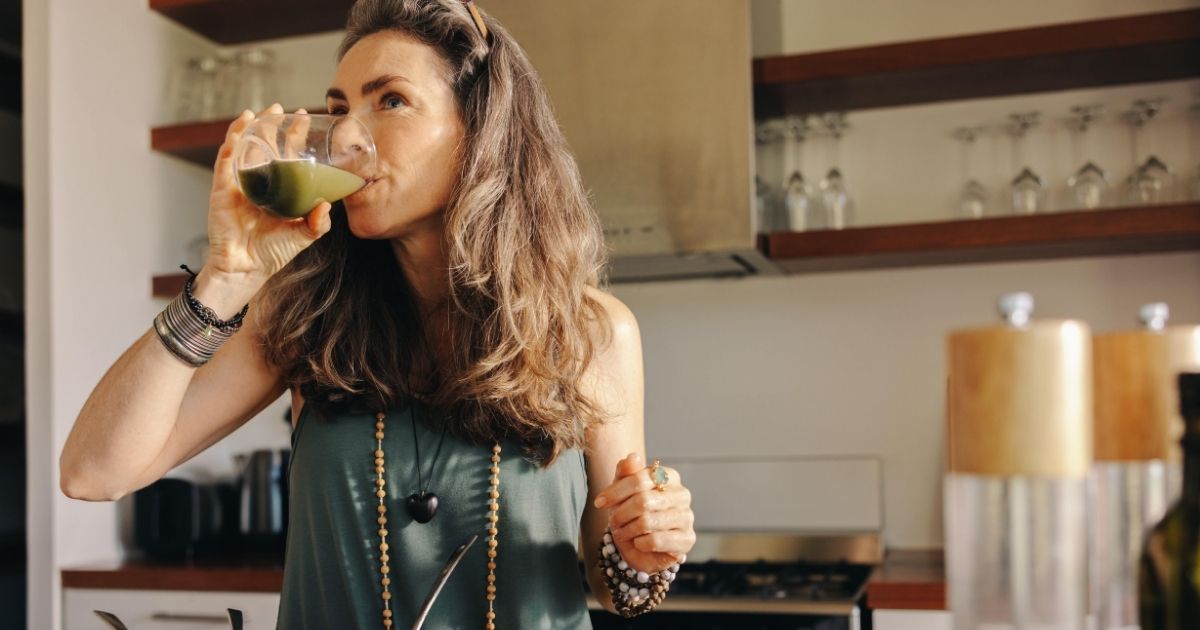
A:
(351, 146)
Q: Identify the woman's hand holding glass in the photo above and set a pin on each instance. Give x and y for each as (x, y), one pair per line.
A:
(246, 243)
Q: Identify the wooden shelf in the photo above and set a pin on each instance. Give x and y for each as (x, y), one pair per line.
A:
(1133, 230)
(198, 142)
(240, 21)
(1140, 48)
(167, 285)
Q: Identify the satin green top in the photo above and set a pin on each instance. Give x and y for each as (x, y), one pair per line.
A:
(332, 569)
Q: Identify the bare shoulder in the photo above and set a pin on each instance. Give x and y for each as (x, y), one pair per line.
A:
(624, 325)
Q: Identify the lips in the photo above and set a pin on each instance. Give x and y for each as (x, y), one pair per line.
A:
(355, 194)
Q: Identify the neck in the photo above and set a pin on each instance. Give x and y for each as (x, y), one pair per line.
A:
(422, 257)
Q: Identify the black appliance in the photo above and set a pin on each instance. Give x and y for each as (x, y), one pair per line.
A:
(765, 581)
(263, 501)
(177, 519)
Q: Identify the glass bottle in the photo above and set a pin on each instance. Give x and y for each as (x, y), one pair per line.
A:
(1137, 472)
(1169, 578)
(1019, 417)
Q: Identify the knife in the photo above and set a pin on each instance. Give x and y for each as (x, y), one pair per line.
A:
(441, 581)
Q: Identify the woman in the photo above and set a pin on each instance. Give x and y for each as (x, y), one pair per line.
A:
(454, 367)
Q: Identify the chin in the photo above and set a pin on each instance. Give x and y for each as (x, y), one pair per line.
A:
(365, 223)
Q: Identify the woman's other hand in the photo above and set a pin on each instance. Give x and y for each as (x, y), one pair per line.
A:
(652, 528)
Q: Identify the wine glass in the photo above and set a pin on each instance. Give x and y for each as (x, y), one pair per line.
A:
(798, 194)
(1152, 180)
(973, 199)
(1089, 186)
(771, 214)
(1028, 193)
(287, 163)
(837, 207)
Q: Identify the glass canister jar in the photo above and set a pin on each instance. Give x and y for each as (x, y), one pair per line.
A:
(1137, 472)
(1019, 422)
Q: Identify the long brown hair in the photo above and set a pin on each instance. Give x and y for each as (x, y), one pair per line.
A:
(523, 245)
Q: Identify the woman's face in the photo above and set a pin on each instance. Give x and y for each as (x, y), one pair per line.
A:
(396, 86)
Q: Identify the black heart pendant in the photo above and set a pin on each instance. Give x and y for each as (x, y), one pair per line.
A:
(422, 507)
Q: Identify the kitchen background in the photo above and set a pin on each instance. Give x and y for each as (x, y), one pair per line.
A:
(812, 367)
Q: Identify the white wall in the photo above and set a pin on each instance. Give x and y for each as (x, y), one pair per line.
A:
(829, 364)
(103, 214)
(811, 25)
(852, 363)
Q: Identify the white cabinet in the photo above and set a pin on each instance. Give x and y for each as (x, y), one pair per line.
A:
(167, 610)
(911, 619)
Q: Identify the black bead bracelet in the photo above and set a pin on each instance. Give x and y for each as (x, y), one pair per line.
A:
(206, 314)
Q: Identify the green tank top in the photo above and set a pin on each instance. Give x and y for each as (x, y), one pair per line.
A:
(331, 575)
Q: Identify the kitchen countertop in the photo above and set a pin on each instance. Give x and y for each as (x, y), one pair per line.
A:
(254, 574)
(909, 580)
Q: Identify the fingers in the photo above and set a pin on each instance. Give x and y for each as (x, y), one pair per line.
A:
(628, 466)
(296, 139)
(223, 168)
(674, 542)
(629, 485)
(223, 165)
(318, 223)
(650, 522)
(676, 497)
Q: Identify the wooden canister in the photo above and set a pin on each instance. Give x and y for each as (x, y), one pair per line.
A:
(1019, 400)
(1137, 404)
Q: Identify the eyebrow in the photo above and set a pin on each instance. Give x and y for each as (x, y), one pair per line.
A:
(374, 85)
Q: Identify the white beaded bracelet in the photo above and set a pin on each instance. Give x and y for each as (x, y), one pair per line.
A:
(633, 592)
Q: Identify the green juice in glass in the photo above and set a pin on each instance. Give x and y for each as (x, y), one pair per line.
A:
(290, 188)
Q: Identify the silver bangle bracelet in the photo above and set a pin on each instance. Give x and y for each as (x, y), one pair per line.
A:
(186, 336)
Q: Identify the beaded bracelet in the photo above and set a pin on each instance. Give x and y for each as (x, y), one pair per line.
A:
(191, 331)
(633, 592)
(206, 314)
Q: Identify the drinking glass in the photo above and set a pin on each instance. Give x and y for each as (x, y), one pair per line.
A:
(973, 199)
(256, 85)
(772, 216)
(798, 194)
(837, 207)
(1028, 193)
(286, 163)
(1151, 181)
(1089, 186)
(200, 94)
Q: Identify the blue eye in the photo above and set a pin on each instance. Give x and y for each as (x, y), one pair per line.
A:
(392, 100)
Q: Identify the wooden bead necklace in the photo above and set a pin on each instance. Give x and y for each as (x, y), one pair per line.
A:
(493, 523)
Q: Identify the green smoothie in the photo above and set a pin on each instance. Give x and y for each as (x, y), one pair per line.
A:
(290, 188)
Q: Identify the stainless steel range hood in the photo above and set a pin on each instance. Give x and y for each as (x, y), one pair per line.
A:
(655, 100)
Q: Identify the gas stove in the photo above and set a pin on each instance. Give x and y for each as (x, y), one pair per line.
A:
(766, 581)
